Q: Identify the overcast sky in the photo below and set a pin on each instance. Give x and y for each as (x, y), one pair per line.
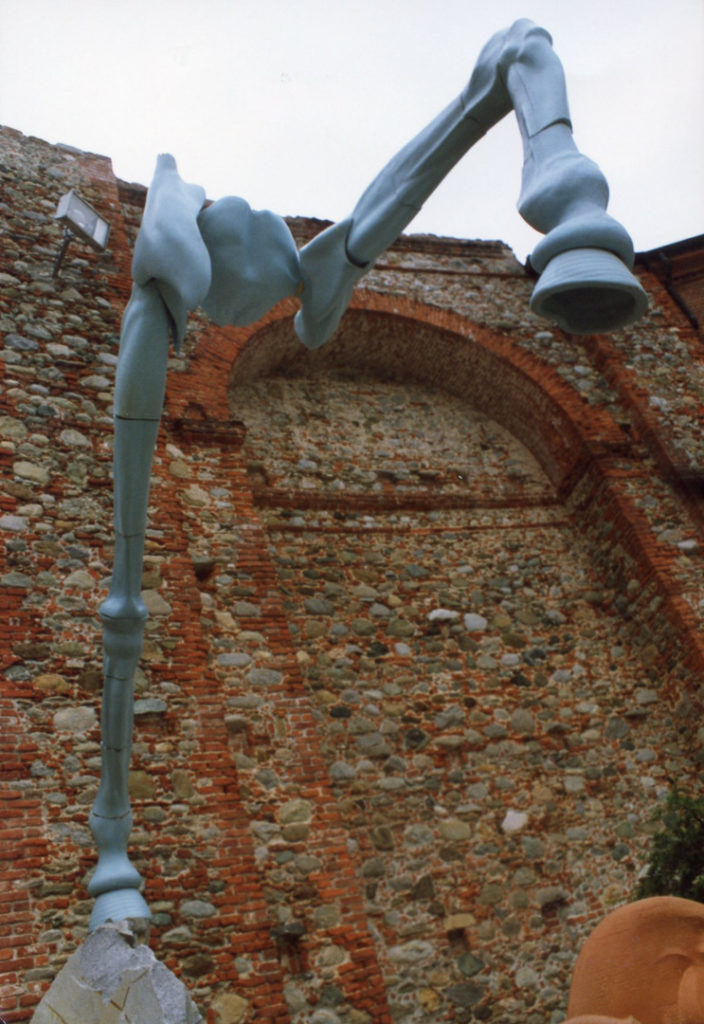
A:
(296, 104)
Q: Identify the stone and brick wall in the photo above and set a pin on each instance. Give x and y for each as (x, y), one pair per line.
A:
(425, 641)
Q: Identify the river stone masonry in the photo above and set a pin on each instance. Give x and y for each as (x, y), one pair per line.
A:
(425, 638)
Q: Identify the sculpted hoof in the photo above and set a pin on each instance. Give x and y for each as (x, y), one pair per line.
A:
(588, 291)
(118, 905)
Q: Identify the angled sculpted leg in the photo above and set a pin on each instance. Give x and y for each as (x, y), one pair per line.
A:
(585, 259)
(335, 260)
(517, 68)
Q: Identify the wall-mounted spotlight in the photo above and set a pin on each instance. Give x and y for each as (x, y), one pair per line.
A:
(80, 220)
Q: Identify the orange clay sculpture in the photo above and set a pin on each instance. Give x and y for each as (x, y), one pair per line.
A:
(643, 964)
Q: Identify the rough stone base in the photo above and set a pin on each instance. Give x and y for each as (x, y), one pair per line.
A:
(111, 979)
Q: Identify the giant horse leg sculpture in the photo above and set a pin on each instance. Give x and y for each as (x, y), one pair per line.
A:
(237, 263)
(586, 285)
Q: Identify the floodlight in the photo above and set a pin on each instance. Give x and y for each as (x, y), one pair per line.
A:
(80, 220)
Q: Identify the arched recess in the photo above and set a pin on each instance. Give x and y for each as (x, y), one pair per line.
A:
(405, 341)
(577, 445)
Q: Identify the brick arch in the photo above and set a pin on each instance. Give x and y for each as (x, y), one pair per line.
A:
(577, 445)
(402, 339)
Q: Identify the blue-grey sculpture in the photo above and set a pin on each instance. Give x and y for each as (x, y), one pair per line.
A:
(237, 263)
(586, 286)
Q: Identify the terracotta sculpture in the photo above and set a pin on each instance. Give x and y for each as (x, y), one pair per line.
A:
(600, 1019)
(237, 263)
(644, 963)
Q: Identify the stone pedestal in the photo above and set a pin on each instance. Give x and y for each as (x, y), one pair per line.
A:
(112, 979)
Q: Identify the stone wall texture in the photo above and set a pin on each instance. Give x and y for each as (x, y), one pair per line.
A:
(426, 632)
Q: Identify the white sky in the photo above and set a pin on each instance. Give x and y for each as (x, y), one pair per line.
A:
(296, 104)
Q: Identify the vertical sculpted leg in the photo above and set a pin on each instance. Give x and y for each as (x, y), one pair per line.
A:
(139, 395)
(171, 270)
